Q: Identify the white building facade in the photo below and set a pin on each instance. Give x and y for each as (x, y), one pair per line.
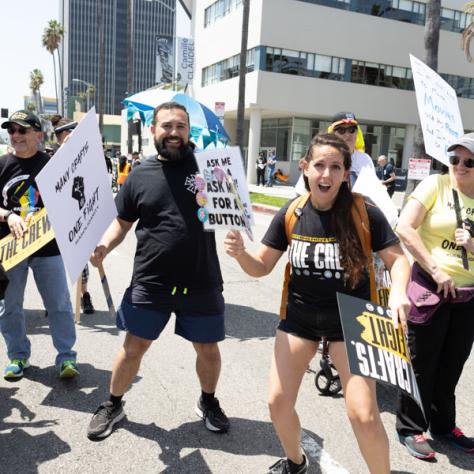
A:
(309, 59)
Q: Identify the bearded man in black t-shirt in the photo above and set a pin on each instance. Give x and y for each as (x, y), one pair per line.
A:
(176, 269)
(19, 199)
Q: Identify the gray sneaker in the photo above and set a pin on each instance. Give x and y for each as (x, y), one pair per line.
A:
(282, 466)
(104, 419)
(417, 445)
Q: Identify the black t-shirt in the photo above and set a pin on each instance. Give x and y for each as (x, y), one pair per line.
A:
(172, 247)
(14, 172)
(317, 273)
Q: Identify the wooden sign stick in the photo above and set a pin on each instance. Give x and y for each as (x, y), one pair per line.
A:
(105, 287)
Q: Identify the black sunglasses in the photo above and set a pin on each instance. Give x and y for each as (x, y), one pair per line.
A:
(20, 130)
(455, 160)
(342, 130)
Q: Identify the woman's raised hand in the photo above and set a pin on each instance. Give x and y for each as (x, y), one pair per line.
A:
(234, 244)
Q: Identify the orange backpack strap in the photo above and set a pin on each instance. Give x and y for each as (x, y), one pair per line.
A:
(293, 213)
(361, 222)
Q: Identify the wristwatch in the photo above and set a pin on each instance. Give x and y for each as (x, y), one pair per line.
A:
(7, 215)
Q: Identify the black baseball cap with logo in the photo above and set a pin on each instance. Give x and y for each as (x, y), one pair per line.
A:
(65, 125)
(344, 117)
(24, 118)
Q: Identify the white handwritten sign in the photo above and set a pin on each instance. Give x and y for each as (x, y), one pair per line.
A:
(76, 191)
(418, 168)
(224, 196)
(438, 109)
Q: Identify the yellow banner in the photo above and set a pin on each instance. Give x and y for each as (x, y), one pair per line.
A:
(38, 234)
(380, 332)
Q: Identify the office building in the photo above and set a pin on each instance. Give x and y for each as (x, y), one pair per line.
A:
(151, 19)
(308, 59)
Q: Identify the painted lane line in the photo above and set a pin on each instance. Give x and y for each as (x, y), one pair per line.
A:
(317, 453)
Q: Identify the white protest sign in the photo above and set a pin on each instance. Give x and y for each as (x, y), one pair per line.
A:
(224, 196)
(75, 188)
(438, 109)
(418, 168)
(369, 185)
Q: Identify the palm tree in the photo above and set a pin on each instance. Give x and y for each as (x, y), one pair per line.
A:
(432, 26)
(36, 81)
(90, 91)
(242, 75)
(52, 37)
(468, 32)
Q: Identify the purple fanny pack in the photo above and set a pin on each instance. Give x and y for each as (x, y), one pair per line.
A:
(425, 301)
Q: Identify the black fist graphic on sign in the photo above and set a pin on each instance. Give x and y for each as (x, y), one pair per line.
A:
(78, 191)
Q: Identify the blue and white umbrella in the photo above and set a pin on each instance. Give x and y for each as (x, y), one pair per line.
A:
(206, 128)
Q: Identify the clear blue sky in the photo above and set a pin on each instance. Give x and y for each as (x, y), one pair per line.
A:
(22, 26)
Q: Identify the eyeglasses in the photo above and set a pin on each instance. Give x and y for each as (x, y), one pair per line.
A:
(343, 130)
(455, 160)
(20, 130)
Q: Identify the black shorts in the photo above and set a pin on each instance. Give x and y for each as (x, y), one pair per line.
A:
(312, 325)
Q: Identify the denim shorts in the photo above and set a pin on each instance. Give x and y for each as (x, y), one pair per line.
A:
(199, 317)
(312, 325)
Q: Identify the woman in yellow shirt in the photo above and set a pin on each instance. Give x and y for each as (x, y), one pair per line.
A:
(437, 226)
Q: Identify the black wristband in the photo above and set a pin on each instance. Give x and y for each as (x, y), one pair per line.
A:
(7, 215)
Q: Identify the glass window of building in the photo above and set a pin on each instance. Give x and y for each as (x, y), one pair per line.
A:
(276, 133)
(301, 138)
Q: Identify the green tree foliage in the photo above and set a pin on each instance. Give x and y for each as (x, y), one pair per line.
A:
(52, 37)
(36, 81)
(468, 32)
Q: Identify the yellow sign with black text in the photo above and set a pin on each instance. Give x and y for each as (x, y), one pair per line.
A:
(375, 349)
(38, 234)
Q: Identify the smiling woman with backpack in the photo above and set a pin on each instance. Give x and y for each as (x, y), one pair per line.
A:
(328, 231)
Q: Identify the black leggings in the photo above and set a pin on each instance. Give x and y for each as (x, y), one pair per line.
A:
(260, 176)
(439, 352)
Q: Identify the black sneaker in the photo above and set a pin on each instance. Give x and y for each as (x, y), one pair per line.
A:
(458, 439)
(282, 466)
(86, 304)
(213, 415)
(104, 419)
(417, 445)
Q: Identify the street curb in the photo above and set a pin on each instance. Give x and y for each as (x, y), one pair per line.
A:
(265, 209)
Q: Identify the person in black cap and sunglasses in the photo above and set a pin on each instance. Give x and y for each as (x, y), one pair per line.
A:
(437, 227)
(346, 127)
(19, 199)
(63, 127)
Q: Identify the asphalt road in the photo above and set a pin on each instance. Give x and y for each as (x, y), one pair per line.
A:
(43, 420)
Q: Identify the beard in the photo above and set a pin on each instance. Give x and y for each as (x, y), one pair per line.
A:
(184, 151)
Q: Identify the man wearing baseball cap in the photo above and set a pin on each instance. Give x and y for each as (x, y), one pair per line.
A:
(346, 127)
(19, 199)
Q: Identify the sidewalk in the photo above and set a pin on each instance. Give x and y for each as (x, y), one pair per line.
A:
(289, 192)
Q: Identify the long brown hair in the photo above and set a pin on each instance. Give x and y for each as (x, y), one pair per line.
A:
(352, 256)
